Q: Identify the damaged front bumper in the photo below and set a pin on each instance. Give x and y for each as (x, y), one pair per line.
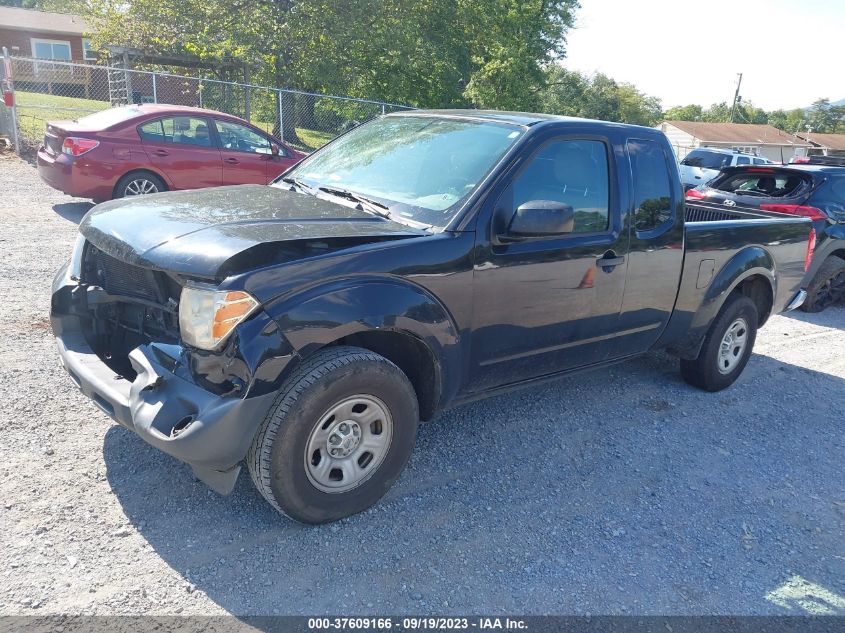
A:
(163, 405)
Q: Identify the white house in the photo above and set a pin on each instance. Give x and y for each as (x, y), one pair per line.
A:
(751, 138)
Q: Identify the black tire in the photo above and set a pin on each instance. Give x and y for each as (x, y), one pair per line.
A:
(133, 180)
(710, 371)
(277, 457)
(827, 287)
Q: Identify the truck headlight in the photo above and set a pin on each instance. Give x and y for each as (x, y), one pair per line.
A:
(207, 316)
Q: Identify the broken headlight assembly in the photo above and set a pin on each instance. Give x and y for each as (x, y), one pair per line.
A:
(207, 315)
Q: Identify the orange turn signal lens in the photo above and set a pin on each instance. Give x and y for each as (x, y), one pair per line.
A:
(207, 316)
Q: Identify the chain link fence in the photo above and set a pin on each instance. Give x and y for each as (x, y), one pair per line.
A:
(49, 90)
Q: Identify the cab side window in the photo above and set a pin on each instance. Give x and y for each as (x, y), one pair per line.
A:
(573, 172)
(652, 187)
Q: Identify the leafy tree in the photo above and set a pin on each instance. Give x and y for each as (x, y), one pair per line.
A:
(59, 6)
(822, 117)
(690, 112)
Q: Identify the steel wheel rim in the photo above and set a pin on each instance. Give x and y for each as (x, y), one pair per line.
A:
(733, 345)
(140, 187)
(348, 444)
(832, 290)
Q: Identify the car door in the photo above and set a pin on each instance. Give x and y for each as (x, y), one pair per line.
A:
(656, 251)
(544, 305)
(181, 148)
(247, 155)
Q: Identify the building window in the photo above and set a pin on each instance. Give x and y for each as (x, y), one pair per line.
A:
(88, 53)
(51, 49)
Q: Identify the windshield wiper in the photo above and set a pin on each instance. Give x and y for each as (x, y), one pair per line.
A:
(299, 184)
(378, 208)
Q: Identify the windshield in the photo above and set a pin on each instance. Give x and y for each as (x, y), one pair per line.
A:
(706, 160)
(420, 167)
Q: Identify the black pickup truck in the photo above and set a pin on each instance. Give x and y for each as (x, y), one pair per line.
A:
(420, 261)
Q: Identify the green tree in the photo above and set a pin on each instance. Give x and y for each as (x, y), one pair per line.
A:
(822, 117)
(717, 113)
(690, 112)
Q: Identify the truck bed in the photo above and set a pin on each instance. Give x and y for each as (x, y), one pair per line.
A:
(718, 240)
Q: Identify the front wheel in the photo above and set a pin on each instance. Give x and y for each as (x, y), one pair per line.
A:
(727, 346)
(339, 434)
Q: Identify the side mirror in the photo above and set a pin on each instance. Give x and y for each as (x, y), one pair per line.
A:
(274, 149)
(540, 218)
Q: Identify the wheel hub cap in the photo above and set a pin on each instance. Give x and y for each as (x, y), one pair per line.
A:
(732, 346)
(348, 443)
(344, 438)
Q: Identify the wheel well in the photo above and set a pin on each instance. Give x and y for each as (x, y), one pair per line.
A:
(138, 171)
(838, 253)
(759, 290)
(410, 355)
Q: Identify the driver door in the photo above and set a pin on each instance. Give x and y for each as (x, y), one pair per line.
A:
(246, 154)
(545, 305)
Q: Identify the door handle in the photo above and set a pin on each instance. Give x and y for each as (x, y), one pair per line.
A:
(609, 261)
(231, 161)
(161, 152)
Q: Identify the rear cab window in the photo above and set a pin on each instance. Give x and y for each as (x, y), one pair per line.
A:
(652, 186)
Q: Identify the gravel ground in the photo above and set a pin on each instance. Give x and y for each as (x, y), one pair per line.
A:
(623, 491)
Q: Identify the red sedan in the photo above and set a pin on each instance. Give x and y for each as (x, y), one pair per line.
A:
(140, 149)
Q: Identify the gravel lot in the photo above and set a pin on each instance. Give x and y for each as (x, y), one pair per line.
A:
(623, 491)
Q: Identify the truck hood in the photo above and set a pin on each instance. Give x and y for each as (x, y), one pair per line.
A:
(214, 233)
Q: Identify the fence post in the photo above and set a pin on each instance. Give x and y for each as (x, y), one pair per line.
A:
(281, 118)
(382, 108)
(155, 89)
(10, 85)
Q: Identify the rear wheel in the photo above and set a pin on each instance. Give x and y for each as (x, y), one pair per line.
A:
(827, 287)
(339, 434)
(138, 183)
(727, 346)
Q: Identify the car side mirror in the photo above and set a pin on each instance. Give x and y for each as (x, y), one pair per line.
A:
(274, 149)
(541, 218)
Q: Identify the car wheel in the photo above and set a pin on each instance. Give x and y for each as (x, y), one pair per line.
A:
(338, 435)
(827, 287)
(727, 346)
(140, 183)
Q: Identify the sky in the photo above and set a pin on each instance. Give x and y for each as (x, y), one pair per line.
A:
(788, 51)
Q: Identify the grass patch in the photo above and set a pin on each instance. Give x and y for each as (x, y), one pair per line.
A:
(35, 109)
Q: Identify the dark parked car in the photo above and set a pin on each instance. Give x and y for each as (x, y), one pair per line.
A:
(419, 261)
(141, 149)
(816, 192)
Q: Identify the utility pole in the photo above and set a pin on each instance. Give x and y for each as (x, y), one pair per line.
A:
(736, 97)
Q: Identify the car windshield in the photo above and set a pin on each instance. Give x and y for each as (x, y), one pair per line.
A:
(706, 160)
(107, 118)
(420, 167)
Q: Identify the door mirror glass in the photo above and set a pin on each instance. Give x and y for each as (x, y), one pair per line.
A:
(539, 218)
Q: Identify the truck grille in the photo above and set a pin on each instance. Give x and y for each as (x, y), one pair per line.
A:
(119, 278)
